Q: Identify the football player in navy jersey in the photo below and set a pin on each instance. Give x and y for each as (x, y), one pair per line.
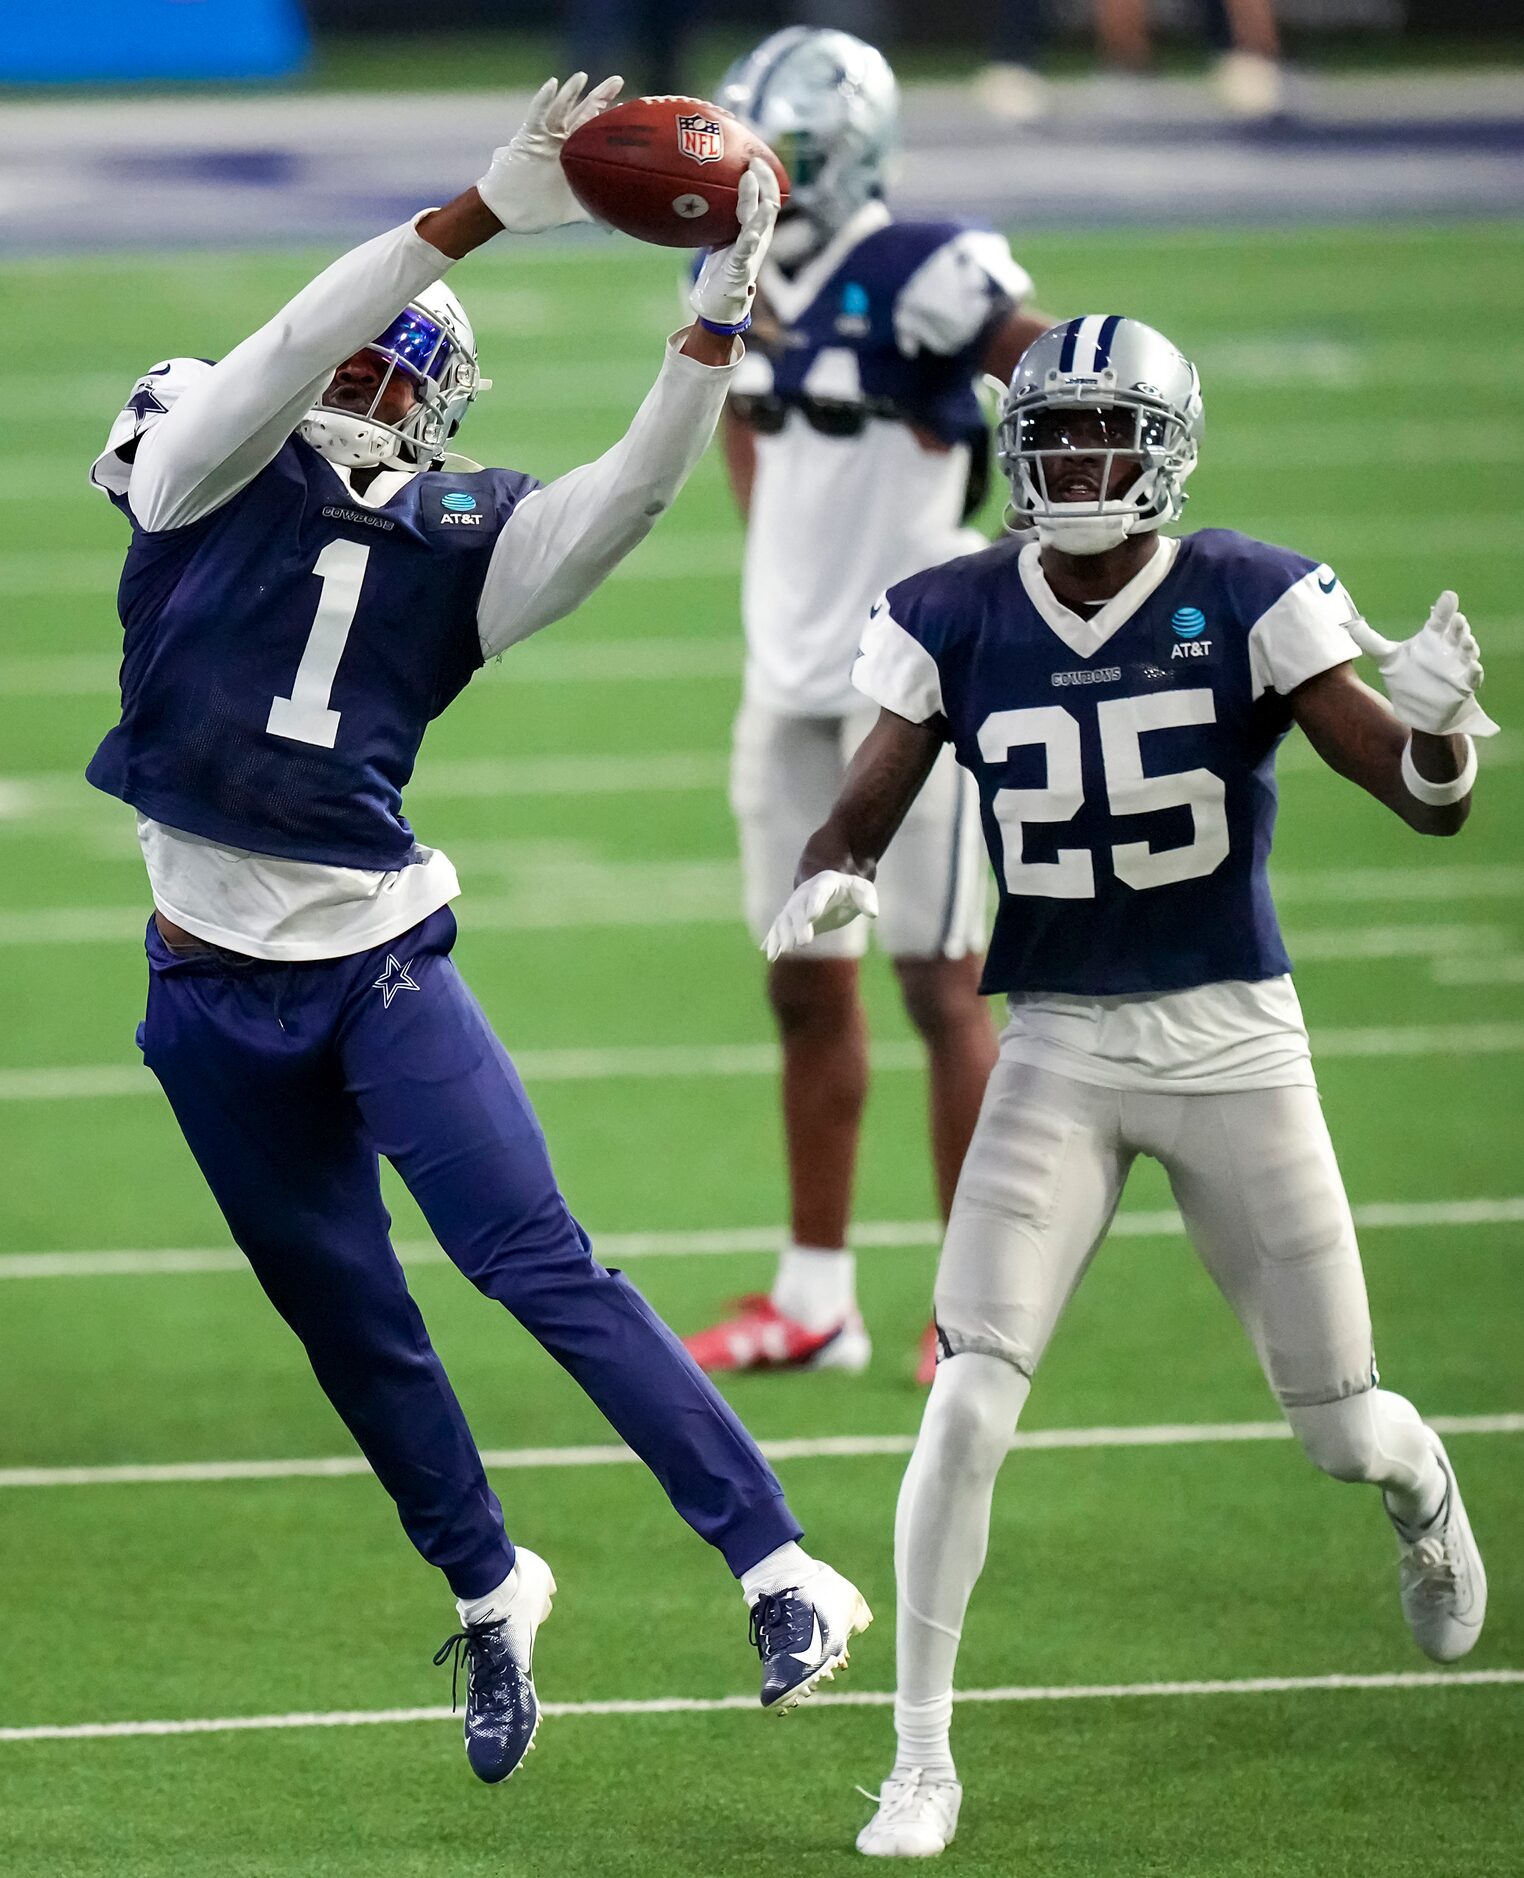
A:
(1119, 697)
(857, 449)
(312, 577)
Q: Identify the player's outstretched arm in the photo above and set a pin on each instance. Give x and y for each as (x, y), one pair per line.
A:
(1414, 753)
(561, 542)
(232, 421)
(1003, 350)
(834, 881)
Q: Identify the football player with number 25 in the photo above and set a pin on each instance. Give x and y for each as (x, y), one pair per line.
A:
(313, 576)
(1119, 696)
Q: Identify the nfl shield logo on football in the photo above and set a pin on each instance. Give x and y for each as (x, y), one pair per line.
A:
(700, 138)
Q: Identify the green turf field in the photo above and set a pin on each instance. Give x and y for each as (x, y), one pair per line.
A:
(1363, 392)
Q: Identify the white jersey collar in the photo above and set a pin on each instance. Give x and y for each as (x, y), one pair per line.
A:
(790, 294)
(1085, 637)
(382, 487)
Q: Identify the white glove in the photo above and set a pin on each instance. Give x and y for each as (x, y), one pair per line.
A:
(1431, 679)
(525, 187)
(727, 282)
(823, 903)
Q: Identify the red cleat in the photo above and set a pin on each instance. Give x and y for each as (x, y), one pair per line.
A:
(761, 1337)
(926, 1361)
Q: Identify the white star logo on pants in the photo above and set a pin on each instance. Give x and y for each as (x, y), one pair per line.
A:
(394, 979)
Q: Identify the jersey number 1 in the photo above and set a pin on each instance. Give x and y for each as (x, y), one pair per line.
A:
(306, 715)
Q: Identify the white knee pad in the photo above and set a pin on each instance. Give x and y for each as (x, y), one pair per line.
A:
(1373, 1436)
(971, 1413)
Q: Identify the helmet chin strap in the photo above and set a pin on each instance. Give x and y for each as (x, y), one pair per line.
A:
(350, 442)
(1083, 534)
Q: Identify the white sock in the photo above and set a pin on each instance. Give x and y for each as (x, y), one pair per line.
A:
(941, 1532)
(1380, 1437)
(789, 1565)
(492, 1607)
(816, 1285)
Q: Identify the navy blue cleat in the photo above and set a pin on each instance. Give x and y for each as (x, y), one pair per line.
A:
(802, 1635)
(502, 1709)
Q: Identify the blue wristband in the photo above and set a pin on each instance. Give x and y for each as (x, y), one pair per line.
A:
(725, 332)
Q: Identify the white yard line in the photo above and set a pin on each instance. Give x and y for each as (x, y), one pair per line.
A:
(580, 895)
(617, 1248)
(856, 1698)
(659, 1062)
(1461, 880)
(43, 573)
(64, 798)
(549, 662)
(615, 1454)
(1454, 970)
(1334, 945)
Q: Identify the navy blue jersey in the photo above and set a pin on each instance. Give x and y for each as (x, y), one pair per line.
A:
(893, 324)
(1126, 763)
(283, 657)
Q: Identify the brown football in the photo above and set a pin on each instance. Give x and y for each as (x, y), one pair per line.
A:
(665, 170)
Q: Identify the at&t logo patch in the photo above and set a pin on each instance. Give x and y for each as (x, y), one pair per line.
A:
(700, 138)
(1189, 623)
(458, 507)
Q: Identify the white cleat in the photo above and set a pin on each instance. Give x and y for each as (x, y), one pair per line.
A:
(916, 1818)
(1250, 85)
(1439, 1570)
(802, 1635)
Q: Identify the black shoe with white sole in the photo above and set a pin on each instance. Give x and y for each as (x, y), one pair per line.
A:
(502, 1709)
(802, 1635)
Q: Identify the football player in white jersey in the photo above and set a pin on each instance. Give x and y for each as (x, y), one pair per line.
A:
(857, 449)
(1119, 697)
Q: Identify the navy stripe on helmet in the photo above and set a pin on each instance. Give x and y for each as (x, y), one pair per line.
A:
(1071, 339)
(1107, 333)
(796, 36)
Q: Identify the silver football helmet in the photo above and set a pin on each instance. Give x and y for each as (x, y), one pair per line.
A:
(828, 105)
(1142, 401)
(432, 343)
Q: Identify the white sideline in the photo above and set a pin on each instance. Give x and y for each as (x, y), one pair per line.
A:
(658, 1061)
(856, 1698)
(615, 1454)
(614, 1248)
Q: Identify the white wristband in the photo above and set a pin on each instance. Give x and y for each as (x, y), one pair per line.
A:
(1438, 794)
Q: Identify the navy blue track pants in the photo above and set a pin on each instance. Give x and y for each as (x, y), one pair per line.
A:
(289, 1082)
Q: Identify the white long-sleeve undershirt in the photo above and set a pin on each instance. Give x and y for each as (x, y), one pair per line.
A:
(559, 544)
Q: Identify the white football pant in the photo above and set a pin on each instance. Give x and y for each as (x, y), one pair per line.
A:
(933, 881)
(1254, 1175)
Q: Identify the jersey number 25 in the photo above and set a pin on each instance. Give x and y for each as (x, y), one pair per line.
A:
(1123, 722)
